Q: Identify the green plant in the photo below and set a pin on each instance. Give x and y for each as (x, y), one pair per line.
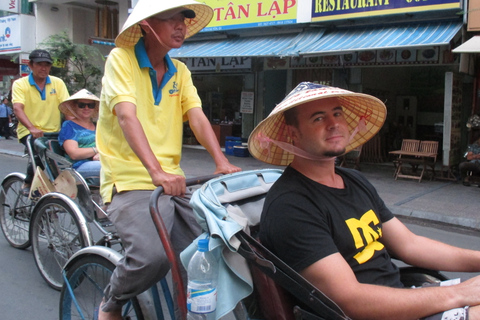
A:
(78, 65)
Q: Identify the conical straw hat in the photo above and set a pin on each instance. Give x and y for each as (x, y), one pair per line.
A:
(67, 107)
(144, 9)
(356, 106)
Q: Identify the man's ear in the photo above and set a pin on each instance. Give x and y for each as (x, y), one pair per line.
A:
(144, 25)
(292, 132)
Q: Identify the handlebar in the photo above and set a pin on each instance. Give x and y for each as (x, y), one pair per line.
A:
(51, 135)
(189, 182)
(165, 238)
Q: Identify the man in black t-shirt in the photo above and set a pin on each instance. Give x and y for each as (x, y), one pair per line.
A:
(331, 226)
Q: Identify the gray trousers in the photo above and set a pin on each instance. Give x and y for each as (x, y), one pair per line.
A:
(145, 261)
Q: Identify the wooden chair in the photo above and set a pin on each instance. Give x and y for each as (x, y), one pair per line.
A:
(410, 145)
(431, 147)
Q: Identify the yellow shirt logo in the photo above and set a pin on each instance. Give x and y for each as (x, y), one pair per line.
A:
(365, 226)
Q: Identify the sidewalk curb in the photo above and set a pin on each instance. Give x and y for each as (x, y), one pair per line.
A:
(432, 216)
(12, 153)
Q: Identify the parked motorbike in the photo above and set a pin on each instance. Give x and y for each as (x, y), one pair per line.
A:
(13, 126)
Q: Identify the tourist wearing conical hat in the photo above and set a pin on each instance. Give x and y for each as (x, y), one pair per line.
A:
(329, 223)
(146, 97)
(77, 136)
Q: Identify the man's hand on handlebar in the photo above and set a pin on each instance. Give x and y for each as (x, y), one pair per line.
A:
(227, 168)
(36, 133)
(172, 184)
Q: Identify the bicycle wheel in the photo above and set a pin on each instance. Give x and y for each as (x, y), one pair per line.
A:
(87, 279)
(15, 213)
(55, 236)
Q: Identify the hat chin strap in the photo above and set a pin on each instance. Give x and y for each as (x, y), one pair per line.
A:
(72, 111)
(265, 141)
(146, 24)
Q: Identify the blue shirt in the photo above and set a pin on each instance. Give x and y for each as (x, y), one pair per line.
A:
(84, 137)
(5, 111)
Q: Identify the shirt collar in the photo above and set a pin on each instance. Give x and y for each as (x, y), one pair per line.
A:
(141, 54)
(144, 61)
(32, 81)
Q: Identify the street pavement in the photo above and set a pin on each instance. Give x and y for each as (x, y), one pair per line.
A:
(438, 200)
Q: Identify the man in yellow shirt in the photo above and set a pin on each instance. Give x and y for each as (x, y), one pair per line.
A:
(35, 102)
(146, 97)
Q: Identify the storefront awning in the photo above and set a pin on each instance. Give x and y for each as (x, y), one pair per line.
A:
(470, 46)
(276, 45)
(391, 37)
(318, 42)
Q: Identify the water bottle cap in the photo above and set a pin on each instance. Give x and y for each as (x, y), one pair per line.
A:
(203, 245)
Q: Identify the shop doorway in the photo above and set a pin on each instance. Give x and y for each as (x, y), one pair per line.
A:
(221, 96)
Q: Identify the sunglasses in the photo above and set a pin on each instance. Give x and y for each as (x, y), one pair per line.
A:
(82, 105)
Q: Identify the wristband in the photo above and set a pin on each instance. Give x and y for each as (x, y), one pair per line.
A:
(94, 150)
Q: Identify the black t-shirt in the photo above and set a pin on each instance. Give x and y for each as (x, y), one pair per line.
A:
(304, 221)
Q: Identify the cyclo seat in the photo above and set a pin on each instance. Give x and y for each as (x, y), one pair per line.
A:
(54, 159)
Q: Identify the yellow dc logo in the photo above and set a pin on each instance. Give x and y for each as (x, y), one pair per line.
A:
(369, 242)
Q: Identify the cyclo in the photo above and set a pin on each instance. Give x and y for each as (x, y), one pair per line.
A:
(260, 285)
(56, 218)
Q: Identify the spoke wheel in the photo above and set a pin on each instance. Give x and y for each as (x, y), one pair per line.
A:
(87, 279)
(55, 235)
(15, 213)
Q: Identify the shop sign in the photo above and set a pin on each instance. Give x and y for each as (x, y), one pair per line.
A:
(217, 64)
(236, 14)
(426, 55)
(9, 34)
(275, 63)
(24, 70)
(23, 58)
(324, 10)
(10, 5)
(246, 102)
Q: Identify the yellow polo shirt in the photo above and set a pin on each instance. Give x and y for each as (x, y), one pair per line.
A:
(161, 111)
(41, 107)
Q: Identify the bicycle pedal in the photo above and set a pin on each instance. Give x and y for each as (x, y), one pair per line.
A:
(105, 222)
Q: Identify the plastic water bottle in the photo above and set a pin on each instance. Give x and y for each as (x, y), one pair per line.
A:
(202, 284)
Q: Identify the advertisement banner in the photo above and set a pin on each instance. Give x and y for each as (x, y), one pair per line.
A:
(236, 14)
(324, 10)
(10, 34)
(10, 5)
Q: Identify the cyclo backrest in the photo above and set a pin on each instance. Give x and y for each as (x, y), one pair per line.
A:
(52, 155)
(242, 196)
